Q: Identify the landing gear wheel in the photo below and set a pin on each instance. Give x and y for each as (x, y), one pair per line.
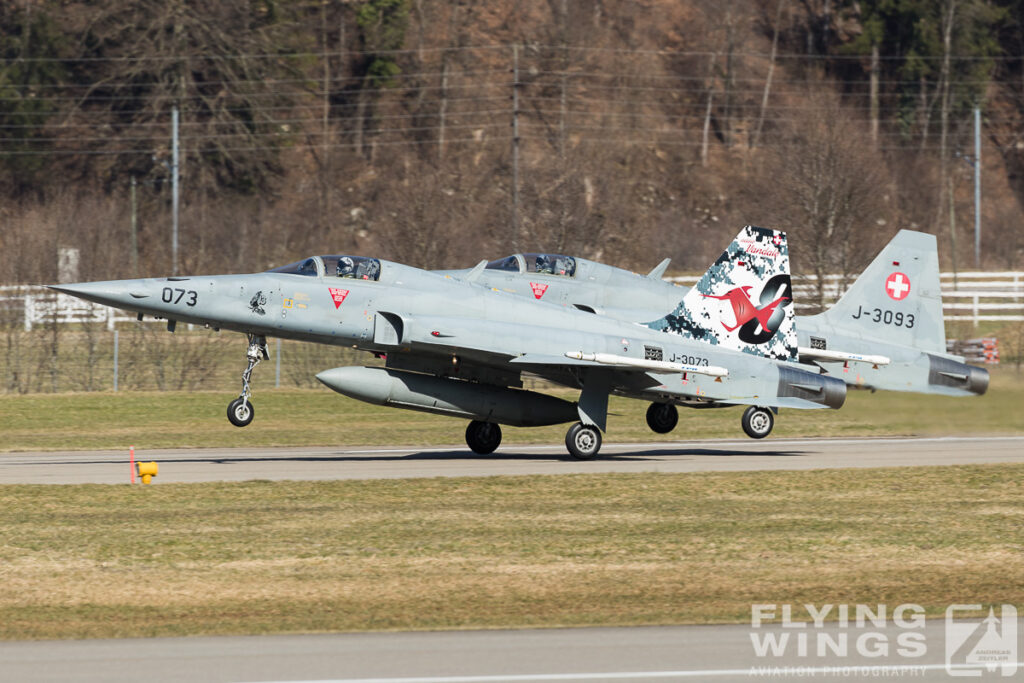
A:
(758, 422)
(583, 441)
(240, 412)
(662, 417)
(483, 437)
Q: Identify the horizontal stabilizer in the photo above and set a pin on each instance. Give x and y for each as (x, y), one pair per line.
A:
(808, 387)
(958, 376)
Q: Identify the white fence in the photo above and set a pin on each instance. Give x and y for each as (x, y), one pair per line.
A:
(972, 296)
(37, 305)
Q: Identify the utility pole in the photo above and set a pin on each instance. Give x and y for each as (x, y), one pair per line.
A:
(515, 147)
(952, 231)
(977, 187)
(135, 232)
(174, 190)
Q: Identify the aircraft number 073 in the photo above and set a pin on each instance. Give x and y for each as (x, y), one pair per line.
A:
(174, 296)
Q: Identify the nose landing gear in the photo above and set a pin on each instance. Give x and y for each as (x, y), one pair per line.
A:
(240, 410)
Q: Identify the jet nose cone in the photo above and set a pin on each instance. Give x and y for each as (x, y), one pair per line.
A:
(117, 293)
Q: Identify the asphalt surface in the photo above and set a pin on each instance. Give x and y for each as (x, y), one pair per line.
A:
(670, 653)
(719, 653)
(239, 464)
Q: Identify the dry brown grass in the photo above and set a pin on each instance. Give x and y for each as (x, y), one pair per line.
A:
(102, 561)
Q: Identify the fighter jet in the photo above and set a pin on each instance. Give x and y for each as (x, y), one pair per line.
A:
(886, 332)
(455, 347)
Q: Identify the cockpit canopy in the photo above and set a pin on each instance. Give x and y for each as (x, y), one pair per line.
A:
(355, 267)
(550, 264)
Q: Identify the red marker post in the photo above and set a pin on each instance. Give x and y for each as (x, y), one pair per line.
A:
(131, 461)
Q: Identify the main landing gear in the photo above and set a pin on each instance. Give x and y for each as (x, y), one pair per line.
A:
(240, 411)
(757, 422)
(583, 441)
(662, 417)
(483, 437)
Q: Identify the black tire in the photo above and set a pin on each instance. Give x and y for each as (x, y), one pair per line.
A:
(583, 441)
(758, 422)
(483, 437)
(240, 412)
(662, 418)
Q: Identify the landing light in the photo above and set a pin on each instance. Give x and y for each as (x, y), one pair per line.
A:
(147, 470)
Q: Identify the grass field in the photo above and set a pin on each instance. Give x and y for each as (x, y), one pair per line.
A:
(258, 557)
(100, 420)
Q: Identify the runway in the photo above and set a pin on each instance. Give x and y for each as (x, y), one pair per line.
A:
(196, 465)
(667, 653)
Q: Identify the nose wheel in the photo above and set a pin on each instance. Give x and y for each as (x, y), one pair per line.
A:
(240, 410)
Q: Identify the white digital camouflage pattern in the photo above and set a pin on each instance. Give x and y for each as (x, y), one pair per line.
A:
(744, 301)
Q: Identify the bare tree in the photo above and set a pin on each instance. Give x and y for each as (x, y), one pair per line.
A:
(826, 186)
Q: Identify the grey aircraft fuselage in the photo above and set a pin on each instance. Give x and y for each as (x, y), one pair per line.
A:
(443, 328)
(916, 365)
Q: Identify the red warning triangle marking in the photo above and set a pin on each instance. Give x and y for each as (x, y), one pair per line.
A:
(538, 289)
(339, 296)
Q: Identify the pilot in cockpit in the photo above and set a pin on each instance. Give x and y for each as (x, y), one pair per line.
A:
(346, 267)
(544, 264)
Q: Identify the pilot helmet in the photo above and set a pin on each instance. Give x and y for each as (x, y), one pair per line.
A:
(544, 264)
(346, 266)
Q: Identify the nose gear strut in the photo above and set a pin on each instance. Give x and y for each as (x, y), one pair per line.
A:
(240, 410)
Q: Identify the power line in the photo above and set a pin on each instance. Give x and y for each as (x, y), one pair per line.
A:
(248, 134)
(528, 48)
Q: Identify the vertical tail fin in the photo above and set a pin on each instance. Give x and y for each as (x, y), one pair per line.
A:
(744, 301)
(898, 298)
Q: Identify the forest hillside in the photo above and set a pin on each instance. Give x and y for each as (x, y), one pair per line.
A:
(440, 132)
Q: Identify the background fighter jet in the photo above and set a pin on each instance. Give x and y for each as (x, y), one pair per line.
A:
(455, 347)
(886, 332)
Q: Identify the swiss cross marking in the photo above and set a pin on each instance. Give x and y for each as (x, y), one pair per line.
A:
(897, 286)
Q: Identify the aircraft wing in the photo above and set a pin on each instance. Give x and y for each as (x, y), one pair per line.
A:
(626, 364)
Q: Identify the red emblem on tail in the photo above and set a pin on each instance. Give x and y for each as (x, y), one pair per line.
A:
(538, 289)
(339, 296)
(745, 310)
(897, 286)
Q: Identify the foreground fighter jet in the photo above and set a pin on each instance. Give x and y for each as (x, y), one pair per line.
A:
(454, 347)
(886, 332)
